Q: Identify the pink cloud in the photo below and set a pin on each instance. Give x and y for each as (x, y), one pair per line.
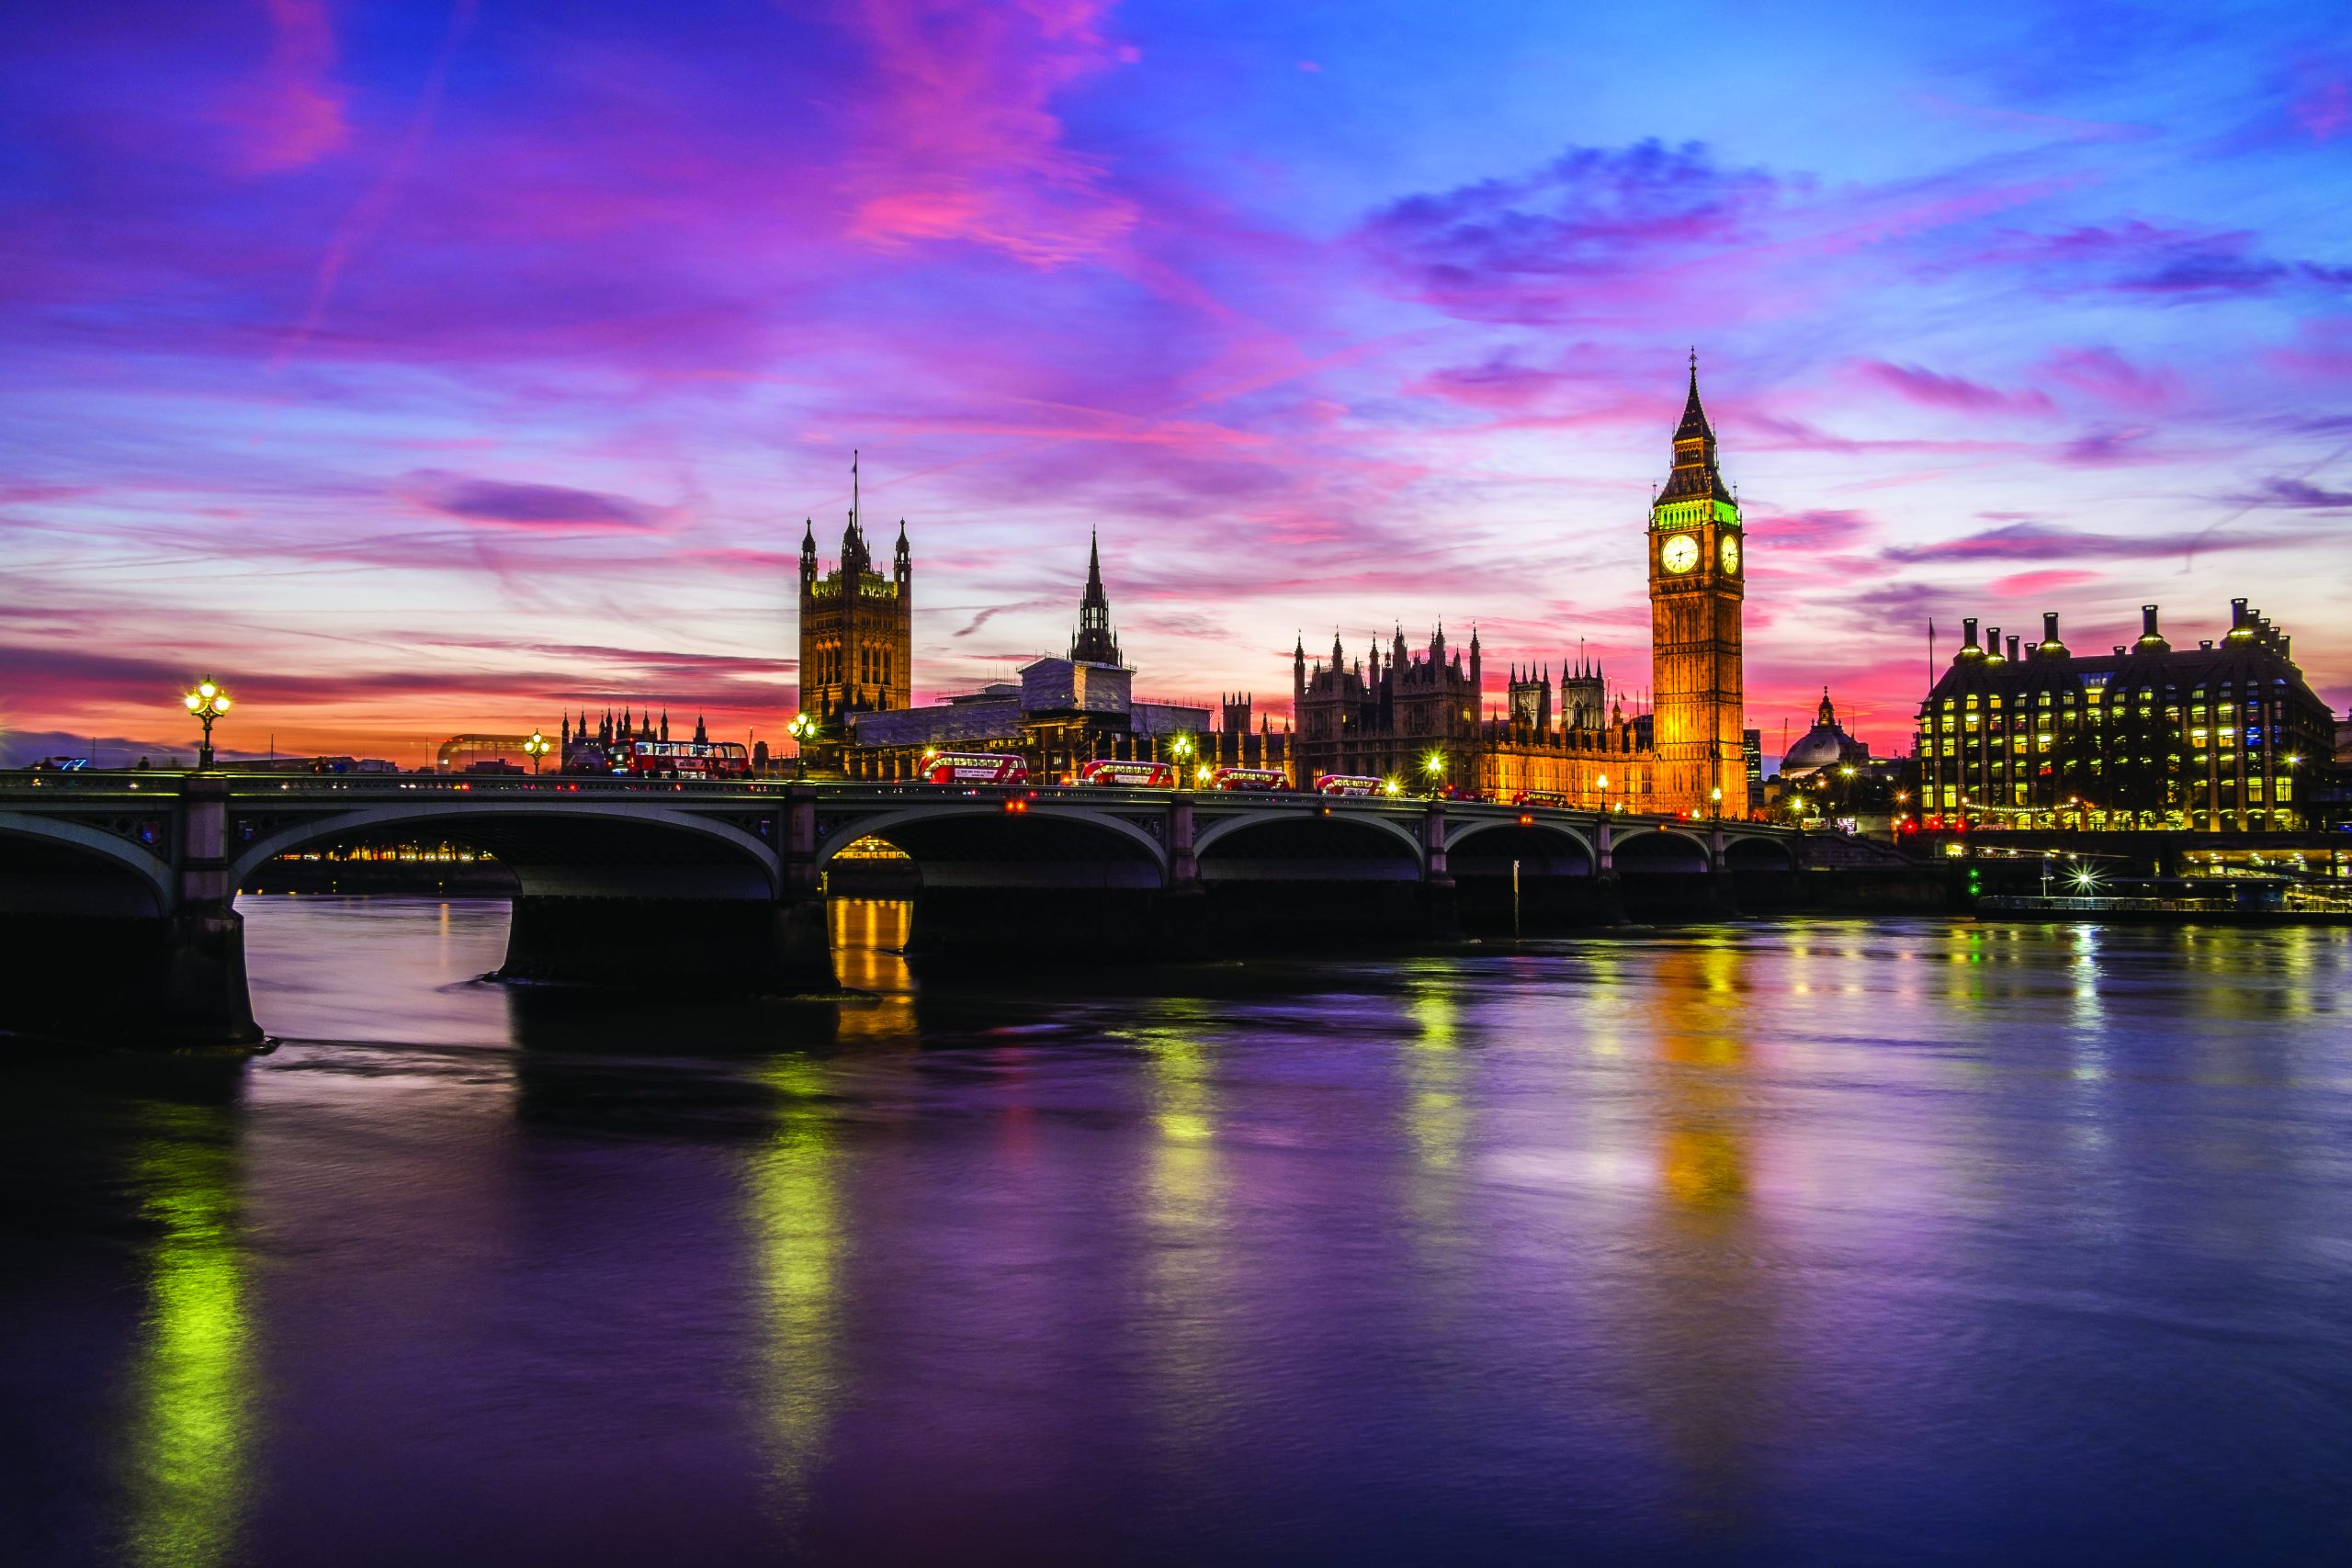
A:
(2107, 375)
(554, 508)
(1933, 391)
(2323, 351)
(961, 141)
(2326, 111)
(293, 114)
(2139, 257)
(2028, 584)
(1811, 531)
(1592, 227)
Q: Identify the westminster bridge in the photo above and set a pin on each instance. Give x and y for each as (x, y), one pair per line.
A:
(121, 886)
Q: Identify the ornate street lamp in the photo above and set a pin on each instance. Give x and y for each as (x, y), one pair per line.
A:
(208, 702)
(1718, 793)
(1434, 766)
(802, 729)
(1182, 750)
(1603, 782)
(537, 747)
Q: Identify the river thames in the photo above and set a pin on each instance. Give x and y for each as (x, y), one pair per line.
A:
(1834, 1242)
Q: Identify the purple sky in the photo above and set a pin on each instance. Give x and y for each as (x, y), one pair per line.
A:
(430, 369)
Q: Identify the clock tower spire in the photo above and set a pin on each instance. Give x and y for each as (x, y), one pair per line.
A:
(1697, 575)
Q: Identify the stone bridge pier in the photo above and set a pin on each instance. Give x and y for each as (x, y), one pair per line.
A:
(640, 913)
(125, 930)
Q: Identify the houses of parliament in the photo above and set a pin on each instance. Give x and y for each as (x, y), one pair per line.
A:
(1413, 714)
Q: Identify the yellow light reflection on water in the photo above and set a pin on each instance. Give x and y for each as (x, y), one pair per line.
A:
(1185, 1230)
(191, 1436)
(869, 939)
(800, 1249)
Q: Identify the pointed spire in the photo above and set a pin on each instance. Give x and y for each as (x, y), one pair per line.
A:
(1095, 642)
(1695, 477)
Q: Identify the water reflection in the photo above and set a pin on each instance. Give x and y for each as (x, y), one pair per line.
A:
(800, 1246)
(1710, 1307)
(191, 1439)
(1184, 1227)
(869, 937)
(1435, 1118)
(1783, 1243)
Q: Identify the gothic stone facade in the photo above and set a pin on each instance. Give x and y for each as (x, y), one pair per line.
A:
(1389, 719)
(857, 634)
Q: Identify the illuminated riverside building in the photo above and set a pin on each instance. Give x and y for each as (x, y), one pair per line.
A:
(857, 633)
(1386, 718)
(1688, 754)
(1059, 714)
(2226, 737)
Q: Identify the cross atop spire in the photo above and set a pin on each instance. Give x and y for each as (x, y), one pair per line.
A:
(1695, 475)
(1695, 425)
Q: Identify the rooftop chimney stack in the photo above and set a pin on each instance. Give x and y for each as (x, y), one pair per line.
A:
(2013, 650)
(1968, 625)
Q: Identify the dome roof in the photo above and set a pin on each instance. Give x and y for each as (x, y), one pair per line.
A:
(1826, 745)
(1823, 747)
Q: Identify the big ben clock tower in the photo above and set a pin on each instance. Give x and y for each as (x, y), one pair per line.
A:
(1697, 571)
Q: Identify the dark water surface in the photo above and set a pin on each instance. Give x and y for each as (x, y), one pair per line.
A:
(1884, 1242)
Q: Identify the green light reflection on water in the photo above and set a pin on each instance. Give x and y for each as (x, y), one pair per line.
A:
(190, 1439)
(800, 1249)
(1434, 1115)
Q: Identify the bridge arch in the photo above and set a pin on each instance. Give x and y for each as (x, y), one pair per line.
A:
(132, 881)
(567, 848)
(1308, 846)
(1661, 849)
(1753, 852)
(978, 844)
(1485, 838)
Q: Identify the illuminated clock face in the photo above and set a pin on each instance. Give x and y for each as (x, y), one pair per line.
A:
(1679, 554)
(1731, 552)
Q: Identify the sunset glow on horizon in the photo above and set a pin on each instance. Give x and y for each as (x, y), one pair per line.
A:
(435, 370)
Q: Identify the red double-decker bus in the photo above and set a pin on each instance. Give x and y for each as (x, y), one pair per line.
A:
(1247, 778)
(688, 759)
(1135, 775)
(1350, 783)
(975, 768)
(1539, 797)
